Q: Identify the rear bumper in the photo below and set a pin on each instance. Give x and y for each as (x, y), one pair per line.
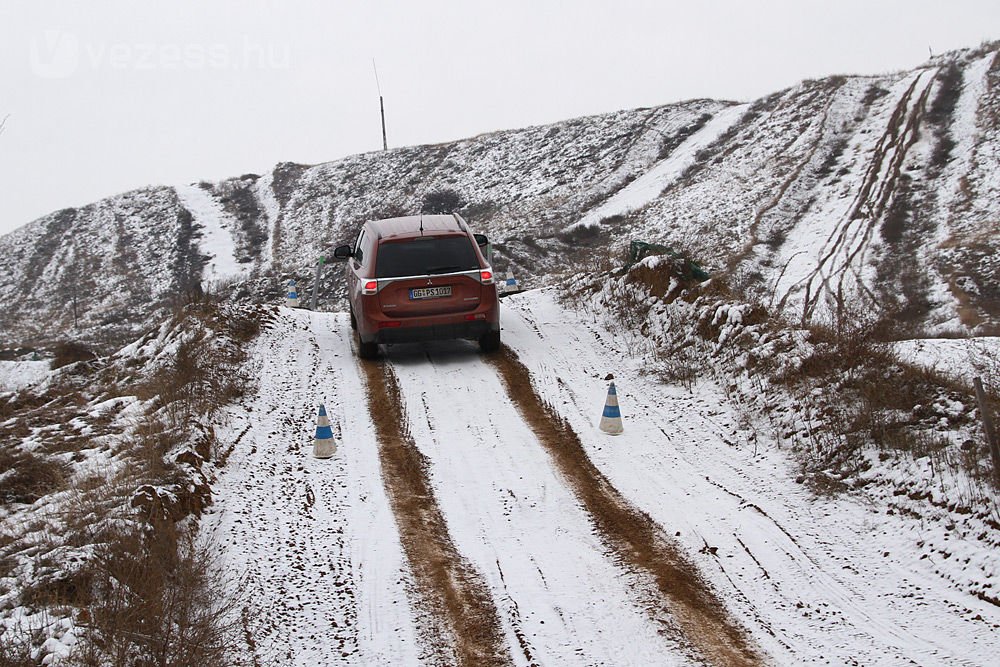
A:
(462, 330)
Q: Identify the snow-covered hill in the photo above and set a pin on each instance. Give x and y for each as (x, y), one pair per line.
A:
(878, 189)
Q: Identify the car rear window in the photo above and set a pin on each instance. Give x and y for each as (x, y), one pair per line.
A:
(425, 255)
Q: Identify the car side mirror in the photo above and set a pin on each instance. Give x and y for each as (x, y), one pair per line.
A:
(343, 252)
(484, 246)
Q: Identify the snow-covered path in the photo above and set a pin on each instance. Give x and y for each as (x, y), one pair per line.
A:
(321, 571)
(561, 598)
(323, 578)
(648, 187)
(825, 581)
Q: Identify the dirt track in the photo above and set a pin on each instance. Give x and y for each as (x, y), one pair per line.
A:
(452, 590)
(636, 540)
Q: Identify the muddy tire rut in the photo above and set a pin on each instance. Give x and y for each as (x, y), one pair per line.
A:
(636, 540)
(448, 586)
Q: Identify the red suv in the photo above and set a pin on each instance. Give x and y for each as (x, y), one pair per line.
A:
(417, 278)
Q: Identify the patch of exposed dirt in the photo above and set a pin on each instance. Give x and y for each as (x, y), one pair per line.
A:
(635, 538)
(448, 584)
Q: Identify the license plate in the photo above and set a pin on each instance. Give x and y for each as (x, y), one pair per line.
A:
(430, 292)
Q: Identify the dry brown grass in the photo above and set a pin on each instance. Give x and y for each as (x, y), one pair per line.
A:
(69, 352)
(150, 595)
(15, 648)
(636, 539)
(158, 600)
(28, 477)
(453, 590)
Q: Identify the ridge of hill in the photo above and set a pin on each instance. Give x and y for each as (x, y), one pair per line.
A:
(878, 189)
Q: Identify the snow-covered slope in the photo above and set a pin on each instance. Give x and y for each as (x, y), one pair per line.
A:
(880, 190)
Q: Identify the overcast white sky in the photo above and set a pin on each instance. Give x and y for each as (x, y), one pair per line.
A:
(108, 96)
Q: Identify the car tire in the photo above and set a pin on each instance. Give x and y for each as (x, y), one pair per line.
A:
(367, 350)
(489, 341)
(354, 321)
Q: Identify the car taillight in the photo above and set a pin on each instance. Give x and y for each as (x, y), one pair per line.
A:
(370, 287)
(475, 316)
(486, 277)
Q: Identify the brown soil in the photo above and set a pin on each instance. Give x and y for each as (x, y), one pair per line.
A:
(635, 538)
(449, 586)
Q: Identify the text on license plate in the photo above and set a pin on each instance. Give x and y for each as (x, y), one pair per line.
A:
(430, 292)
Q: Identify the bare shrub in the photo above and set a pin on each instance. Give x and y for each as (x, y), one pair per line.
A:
(16, 648)
(159, 599)
(439, 201)
(679, 364)
(27, 477)
(69, 352)
(582, 234)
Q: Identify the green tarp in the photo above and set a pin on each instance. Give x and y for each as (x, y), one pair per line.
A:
(640, 250)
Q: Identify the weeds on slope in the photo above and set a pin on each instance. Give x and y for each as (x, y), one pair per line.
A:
(111, 466)
(835, 394)
(845, 393)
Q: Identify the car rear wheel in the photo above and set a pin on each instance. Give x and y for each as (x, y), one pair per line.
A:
(366, 350)
(354, 321)
(490, 341)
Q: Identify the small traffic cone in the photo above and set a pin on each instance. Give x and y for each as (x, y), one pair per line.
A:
(292, 300)
(510, 285)
(323, 445)
(611, 420)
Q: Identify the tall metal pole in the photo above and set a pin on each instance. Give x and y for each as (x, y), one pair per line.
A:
(385, 144)
(381, 106)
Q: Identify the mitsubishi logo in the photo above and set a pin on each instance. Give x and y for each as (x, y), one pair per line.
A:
(430, 282)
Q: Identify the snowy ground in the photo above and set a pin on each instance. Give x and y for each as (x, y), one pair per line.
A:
(216, 236)
(324, 580)
(832, 579)
(312, 542)
(962, 357)
(16, 375)
(648, 187)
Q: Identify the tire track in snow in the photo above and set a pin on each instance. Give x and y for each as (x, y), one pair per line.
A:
(454, 591)
(842, 254)
(563, 597)
(752, 233)
(854, 233)
(636, 539)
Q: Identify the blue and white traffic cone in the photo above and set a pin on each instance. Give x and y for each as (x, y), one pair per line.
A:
(611, 420)
(510, 285)
(292, 300)
(323, 445)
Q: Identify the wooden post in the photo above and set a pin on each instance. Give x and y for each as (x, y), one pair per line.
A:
(991, 435)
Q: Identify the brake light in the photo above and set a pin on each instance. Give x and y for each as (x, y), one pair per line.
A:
(370, 287)
(486, 277)
(475, 316)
